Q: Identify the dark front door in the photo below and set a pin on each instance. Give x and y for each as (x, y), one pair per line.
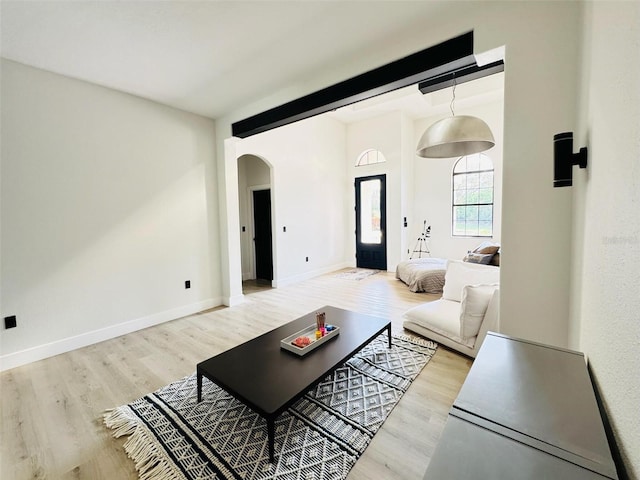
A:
(262, 234)
(371, 222)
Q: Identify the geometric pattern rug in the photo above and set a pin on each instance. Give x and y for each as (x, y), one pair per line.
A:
(172, 436)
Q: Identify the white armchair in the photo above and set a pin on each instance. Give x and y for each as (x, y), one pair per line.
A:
(468, 309)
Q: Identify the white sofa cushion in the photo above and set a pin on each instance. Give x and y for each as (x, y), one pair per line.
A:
(460, 274)
(475, 300)
(440, 316)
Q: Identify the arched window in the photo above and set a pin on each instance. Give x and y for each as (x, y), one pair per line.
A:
(369, 157)
(473, 196)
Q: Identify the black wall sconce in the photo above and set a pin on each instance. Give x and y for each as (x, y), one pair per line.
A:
(564, 159)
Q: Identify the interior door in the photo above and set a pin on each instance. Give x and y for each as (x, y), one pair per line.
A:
(371, 222)
(262, 234)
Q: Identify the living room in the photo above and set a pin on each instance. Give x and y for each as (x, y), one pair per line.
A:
(111, 202)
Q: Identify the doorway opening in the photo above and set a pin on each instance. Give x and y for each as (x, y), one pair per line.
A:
(262, 235)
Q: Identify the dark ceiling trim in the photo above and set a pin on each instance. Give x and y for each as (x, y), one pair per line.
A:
(452, 55)
(463, 75)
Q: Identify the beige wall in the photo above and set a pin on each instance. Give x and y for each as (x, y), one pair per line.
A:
(606, 307)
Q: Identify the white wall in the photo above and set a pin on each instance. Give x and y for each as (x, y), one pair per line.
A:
(253, 174)
(407, 187)
(433, 188)
(108, 206)
(309, 188)
(540, 100)
(606, 313)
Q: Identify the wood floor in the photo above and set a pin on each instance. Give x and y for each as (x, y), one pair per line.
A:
(52, 410)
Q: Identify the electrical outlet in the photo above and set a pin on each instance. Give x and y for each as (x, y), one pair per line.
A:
(187, 284)
(10, 322)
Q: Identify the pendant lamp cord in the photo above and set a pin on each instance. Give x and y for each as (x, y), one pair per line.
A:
(454, 97)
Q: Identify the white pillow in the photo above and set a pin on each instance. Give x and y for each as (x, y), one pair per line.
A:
(475, 300)
(460, 274)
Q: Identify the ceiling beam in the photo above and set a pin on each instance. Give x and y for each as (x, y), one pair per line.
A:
(451, 55)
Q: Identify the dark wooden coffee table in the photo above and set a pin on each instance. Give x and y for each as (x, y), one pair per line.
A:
(269, 379)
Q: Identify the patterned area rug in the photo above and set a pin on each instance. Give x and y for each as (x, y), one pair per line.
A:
(356, 273)
(171, 436)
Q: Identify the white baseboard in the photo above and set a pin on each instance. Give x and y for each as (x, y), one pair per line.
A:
(40, 352)
(283, 282)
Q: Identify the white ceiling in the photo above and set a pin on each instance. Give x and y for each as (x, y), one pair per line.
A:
(205, 57)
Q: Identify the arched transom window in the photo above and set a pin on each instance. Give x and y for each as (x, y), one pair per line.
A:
(370, 157)
(473, 196)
